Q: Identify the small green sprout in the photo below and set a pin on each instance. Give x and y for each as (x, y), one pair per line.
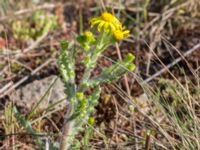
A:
(33, 27)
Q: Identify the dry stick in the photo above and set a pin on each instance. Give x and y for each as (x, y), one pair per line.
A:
(9, 84)
(125, 77)
(177, 60)
(26, 77)
(103, 5)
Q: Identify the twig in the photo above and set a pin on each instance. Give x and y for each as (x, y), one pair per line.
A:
(26, 78)
(103, 5)
(125, 77)
(9, 84)
(177, 60)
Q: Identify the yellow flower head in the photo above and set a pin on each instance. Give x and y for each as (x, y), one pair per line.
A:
(89, 36)
(107, 17)
(120, 34)
(106, 21)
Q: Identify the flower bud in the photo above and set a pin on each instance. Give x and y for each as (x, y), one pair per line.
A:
(130, 57)
(131, 67)
(91, 121)
(80, 95)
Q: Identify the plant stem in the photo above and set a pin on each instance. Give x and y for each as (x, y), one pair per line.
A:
(67, 130)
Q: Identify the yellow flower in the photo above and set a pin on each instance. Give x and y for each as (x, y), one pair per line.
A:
(120, 34)
(89, 36)
(106, 21)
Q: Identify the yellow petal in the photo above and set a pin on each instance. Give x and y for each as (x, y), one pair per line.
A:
(100, 26)
(94, 21)
(126, 33)
(108, 17)
(112, 26)
(106, 27)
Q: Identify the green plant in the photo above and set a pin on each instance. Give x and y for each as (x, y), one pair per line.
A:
(82, 105)
(33, 27)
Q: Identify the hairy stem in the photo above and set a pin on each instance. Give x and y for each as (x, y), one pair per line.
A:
(67, 130)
